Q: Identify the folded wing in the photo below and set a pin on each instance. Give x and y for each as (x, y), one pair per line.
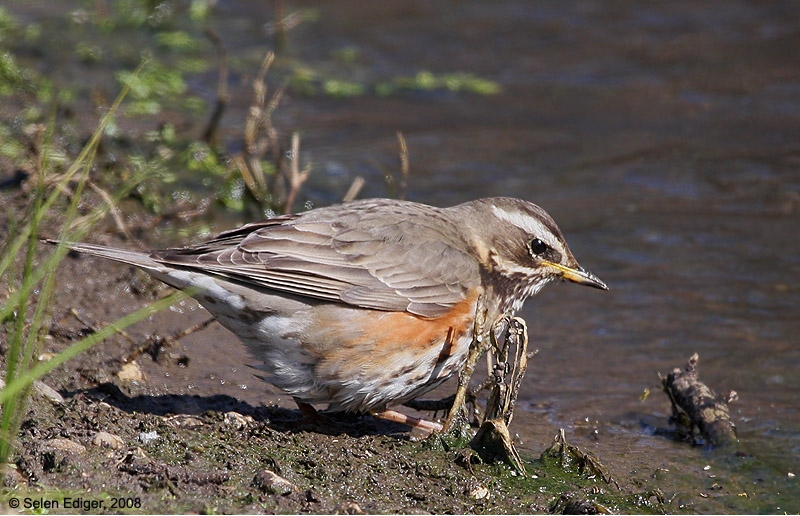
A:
(397, 257)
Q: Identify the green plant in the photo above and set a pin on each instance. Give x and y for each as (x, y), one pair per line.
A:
(25, 310)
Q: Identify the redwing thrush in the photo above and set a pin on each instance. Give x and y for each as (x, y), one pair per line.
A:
(370, 303)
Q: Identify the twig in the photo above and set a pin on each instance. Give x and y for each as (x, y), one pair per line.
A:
(167, 341)
(567, 454)
(93, 327)
(694, 404)
(493, 438)
(115, 212)
(477, 348)
(210, 132)
(283, 24)
(256, 124)
(355, 188)
(296, 176)
(404, 167)
(259, 138)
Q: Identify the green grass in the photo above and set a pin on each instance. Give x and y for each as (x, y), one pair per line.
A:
(25, 311)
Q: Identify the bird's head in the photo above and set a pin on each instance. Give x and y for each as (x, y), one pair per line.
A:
(521, 248)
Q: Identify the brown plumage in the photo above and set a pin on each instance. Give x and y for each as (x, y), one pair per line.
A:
(371, 303)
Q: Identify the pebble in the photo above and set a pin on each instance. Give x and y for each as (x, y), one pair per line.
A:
(270, 482)
(42, 389)
(130, 372)
(479, 493)
(108, 440)
(238, 421)
(348, 507)
(147, 437)
(64, 446)
(185, 421)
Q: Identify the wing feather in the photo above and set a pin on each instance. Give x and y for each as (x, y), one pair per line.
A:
(371, 254)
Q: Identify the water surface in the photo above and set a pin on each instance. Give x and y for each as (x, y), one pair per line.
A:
(662, 138)
(664, 141)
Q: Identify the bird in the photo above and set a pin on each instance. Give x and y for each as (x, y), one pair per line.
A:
(367, 304)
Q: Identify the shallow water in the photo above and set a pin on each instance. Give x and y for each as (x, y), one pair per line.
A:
(664, 141)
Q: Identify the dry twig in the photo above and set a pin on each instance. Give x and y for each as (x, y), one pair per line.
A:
(695, 405)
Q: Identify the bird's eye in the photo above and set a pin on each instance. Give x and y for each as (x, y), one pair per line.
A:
(537, 247)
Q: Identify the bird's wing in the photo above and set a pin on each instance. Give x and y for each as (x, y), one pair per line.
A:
(371, 254)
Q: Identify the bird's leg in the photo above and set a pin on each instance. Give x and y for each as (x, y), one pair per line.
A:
(398, 417)
(477, 348)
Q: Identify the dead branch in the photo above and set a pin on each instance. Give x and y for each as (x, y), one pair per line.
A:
(212, 128)
(695, 405)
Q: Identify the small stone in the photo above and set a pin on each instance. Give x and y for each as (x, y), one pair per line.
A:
(238, 421)
(147, 437)
(45, 391)
(348, 507)
(130, 372)
(64, 446)
(270, 482)
(185, 421)
(479, 492)
(107, 440)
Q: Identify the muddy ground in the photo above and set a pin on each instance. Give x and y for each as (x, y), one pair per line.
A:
(112, 440)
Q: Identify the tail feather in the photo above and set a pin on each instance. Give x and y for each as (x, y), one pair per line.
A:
(136, 258)
(173, 276)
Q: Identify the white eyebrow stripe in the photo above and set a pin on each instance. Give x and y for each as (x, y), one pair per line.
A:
(527, 224)
(523, 222)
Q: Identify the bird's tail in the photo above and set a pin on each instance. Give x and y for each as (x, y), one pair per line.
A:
(172, 276)
(136, 258)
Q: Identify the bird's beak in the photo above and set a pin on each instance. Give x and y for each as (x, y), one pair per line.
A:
(578, 275)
